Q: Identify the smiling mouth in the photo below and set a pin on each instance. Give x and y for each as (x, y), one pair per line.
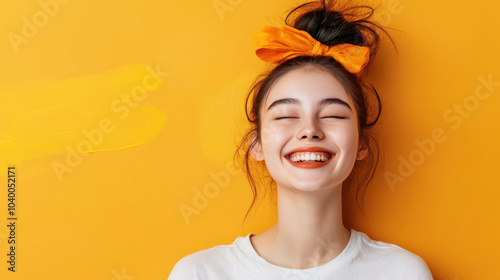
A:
(309, 156)
(309, 160)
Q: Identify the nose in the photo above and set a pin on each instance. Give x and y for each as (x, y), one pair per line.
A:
(310, 130)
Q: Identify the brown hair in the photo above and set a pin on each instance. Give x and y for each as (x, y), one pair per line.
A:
(331, 25)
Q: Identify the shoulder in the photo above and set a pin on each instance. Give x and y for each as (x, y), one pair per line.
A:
(203, 263)
(397, 259)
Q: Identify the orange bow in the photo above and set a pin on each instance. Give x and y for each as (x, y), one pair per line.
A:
(275, 45)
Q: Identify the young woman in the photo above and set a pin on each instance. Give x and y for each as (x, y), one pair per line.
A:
(312, 122)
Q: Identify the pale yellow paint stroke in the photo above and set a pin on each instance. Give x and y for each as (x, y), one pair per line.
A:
(46, 117)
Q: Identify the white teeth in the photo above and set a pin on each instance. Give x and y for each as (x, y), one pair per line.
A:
(308, 157)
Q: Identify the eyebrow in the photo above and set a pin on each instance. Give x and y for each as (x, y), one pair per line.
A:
(326, 101)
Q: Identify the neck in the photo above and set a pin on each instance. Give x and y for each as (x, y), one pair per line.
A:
(309, 231)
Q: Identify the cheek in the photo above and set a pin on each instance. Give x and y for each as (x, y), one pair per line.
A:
(274, 137)
(346, 138)
(271, 129)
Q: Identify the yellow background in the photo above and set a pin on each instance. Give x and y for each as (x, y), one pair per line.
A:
(117, 215)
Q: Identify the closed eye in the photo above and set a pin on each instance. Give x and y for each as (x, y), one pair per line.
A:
(285, 117)
(333, 117)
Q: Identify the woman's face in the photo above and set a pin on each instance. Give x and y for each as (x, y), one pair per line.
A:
(309, 136)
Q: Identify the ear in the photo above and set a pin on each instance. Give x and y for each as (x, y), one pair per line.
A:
(256, 150)
(362, 149)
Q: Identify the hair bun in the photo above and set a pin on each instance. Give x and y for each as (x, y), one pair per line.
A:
(332, 23)
(328, 27)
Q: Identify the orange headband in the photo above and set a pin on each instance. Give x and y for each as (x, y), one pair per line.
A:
(276, 45)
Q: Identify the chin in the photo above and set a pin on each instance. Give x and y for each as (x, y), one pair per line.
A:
(313, 186)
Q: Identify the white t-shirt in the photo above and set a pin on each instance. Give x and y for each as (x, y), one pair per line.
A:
(362, 258)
